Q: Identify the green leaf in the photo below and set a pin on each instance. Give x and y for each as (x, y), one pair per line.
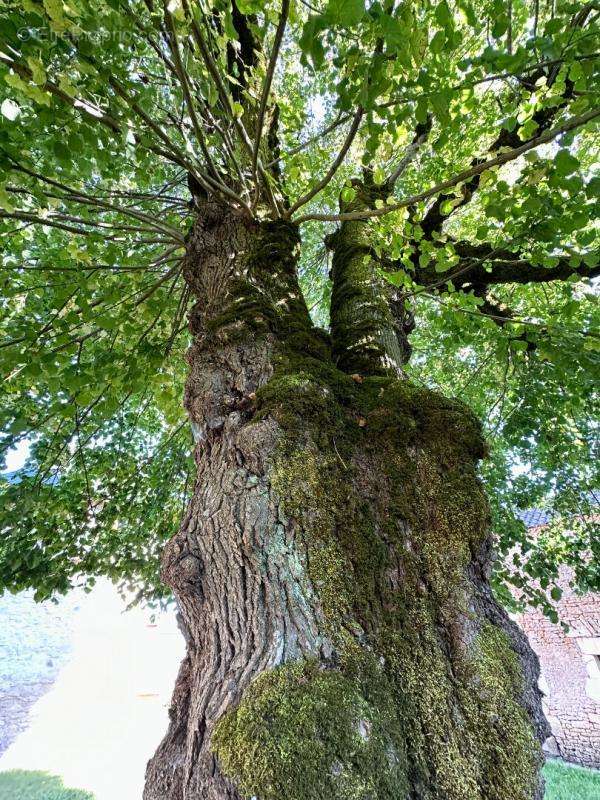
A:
(528, 129)
(250, 6)
(554, 26)
(65, 85)
(438, 42)
(38, 73)
(565, 163)
(6, 201)
(28, 89)
(345, 12)
(394, 33)
(441, 102)
(310, 41)
(500, 27)
(442, 14)
(576, 71)
(593, 187)
(62, 152)
(421, 111)
(518, 345)
(55, 10)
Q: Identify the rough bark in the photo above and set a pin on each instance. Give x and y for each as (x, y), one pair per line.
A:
(331, 569)
(234, 566)
(369, 323)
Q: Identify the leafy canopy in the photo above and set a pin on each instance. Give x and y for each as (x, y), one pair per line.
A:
(477, 118)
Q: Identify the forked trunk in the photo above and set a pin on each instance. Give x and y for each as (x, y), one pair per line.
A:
(331, 569)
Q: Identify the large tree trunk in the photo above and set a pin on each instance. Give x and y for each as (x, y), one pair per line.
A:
(331, 569)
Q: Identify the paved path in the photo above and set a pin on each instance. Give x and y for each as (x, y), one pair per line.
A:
(35, 643)
(106, 712)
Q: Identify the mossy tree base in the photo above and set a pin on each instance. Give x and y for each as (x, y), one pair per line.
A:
(331, 569)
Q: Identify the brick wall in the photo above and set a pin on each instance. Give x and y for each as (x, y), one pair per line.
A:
(570, 664)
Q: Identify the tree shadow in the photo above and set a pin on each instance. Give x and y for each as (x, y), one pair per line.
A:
(24, 785)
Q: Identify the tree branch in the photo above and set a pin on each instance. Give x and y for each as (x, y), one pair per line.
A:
(213, 71)
(339, 120)
(285, 7)
(185, 88)
(434, 219)
(90, 110)
(421, 135)
(460, 177)
(21, 215)
(334, 167)
(79, 197)
(506, 267)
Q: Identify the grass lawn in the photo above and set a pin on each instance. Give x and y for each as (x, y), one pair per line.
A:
(563, 782)
(20, 785)
(566, 782)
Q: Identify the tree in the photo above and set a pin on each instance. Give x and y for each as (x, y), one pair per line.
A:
(177, 177)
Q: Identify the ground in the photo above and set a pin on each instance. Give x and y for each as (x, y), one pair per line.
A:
(99, 723)
(125, 695)
(21, 785)
(564, 782)
(35, 643)
(568, 782)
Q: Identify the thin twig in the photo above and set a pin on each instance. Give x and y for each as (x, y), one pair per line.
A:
(333, 168)
(285, 7)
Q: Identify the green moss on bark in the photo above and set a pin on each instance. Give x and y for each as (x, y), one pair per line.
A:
(304, 732)
(363, 328)
(264, 295)
(380, 478)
